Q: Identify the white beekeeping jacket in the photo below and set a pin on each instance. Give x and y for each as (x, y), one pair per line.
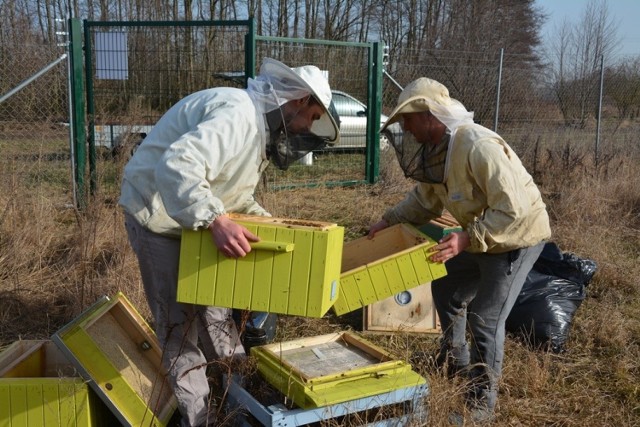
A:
(202, 159)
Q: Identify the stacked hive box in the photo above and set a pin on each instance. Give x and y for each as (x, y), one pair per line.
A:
(101, 369)
(334, 368)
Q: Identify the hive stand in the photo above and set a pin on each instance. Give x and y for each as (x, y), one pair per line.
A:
(279, 416)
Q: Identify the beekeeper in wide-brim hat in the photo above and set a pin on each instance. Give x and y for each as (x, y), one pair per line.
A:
(288, 84)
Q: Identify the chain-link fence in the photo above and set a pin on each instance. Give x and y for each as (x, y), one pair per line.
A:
(166, 62)
(517, 98)
(347, 69)
(34, 137)
(139, 70)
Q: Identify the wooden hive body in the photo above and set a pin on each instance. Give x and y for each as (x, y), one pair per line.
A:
(40, 387)
(407, 311)
(396, 259)
(294, 269)
(332, 368)
(119, 355)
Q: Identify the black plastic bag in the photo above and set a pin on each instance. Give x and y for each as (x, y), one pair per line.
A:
(552, 292)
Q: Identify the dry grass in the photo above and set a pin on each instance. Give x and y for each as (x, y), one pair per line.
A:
(54, 262)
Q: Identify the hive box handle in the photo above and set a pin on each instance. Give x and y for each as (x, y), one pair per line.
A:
(269, 245)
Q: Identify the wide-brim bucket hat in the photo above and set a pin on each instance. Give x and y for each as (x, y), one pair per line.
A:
(424, 94)
(312, 80)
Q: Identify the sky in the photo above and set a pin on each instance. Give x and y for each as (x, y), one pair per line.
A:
(625, 13)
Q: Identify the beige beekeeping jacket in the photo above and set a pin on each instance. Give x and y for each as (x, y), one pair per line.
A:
(486, 189)
(202, 159)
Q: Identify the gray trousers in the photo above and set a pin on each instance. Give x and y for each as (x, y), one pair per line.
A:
(178, 325)
(478, 292)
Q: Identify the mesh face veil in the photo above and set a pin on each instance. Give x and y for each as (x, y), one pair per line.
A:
(422, 162)
(283, 150)
(426, 163)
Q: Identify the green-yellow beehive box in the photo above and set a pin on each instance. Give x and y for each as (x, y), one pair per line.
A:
(294, 269)
(119, 356)
(334, 368)
(394, 260)
(39, 387)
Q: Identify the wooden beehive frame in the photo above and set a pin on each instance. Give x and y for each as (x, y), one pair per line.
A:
(284, 222)
(348, 353)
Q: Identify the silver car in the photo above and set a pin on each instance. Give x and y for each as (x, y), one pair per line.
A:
(353, 123)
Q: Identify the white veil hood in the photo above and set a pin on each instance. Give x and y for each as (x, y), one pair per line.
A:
(278, 84)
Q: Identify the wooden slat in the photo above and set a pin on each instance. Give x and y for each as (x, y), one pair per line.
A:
(35, 408)
(298, 292)
(189, 266)
(421, 263)
(279, 297)
(208, 274)
(226, 282)
(244, 280)
(263, 272)
(317, 272)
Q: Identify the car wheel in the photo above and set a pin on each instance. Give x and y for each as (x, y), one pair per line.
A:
(386, 141)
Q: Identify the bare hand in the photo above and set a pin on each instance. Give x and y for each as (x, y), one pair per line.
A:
(450, 245)
(232, 239)
(380, 225)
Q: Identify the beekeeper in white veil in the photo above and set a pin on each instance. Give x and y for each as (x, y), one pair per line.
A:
(471, 172)
(201, 160)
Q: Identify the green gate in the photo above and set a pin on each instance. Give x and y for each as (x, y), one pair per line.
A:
(134, 71)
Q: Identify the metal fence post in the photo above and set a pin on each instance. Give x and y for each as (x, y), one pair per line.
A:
(250, 51)
(495, 121)
(373, 112)
(77, 117)
(599, 109)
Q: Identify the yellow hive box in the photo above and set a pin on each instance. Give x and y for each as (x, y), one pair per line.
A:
(118, 354)
(294, 269)
(40, 387)
(334, 368)
(396, 259)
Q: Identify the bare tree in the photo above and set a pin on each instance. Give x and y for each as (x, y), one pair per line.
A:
(623, 87)
(577, 55)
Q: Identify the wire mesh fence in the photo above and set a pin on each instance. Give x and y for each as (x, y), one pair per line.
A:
(346, 67)
(34, 139)
(139, 70)
(518, 99)
(166, 62)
